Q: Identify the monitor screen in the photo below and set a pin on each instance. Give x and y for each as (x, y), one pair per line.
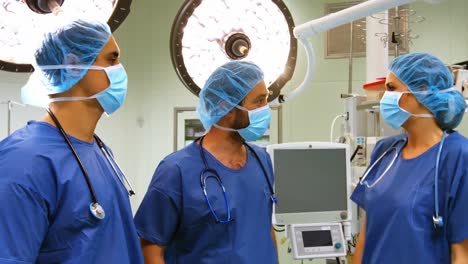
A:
(310, 180)
(320, 238)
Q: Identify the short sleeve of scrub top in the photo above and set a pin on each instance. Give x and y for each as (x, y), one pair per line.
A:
(162, 196)
(458, 212)
(22, 206)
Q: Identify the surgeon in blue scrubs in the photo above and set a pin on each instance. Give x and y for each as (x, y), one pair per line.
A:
(415, 193)
(177, 220)
(47, 210)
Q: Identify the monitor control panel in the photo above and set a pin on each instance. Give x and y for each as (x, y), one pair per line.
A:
(323, 240)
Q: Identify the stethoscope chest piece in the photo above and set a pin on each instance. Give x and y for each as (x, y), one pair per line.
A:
(97, 211)
(438, 221)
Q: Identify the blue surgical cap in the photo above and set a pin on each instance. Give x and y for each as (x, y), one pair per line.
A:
(72, 42)
(226, 87)
(422, 72)
(78, 43)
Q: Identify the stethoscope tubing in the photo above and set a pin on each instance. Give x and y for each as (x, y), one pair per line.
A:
(214, 174)
(95, 208)
(437, 219)
(115, 166)
(392, 147)
(80, 163)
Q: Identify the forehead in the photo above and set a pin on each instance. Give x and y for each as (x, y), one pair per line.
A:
(259, 89)
(393, 80)
(110, 47)
(390, 77)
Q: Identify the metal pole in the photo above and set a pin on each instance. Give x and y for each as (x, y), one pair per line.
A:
(376, 123)
(397, 31)
(280, 124)
(350, 72)
(9, 105)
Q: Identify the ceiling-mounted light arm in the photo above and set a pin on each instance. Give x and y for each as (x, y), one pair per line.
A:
(307, 79)
(313, 27)
(345, 16)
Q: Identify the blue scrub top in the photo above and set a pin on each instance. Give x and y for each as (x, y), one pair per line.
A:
(44, 202)
(400, 207)
(174, 212)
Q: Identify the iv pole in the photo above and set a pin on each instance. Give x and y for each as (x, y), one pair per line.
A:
(10, 105)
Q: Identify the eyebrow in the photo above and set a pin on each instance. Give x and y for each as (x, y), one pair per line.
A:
(114, 54)
(261, 96)
(389, 85)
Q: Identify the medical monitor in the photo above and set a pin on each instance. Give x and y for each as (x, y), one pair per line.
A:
(312, 182)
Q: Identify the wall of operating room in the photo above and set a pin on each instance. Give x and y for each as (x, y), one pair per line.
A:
(141, 133)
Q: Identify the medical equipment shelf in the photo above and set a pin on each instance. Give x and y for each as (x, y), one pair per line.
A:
(371, 104)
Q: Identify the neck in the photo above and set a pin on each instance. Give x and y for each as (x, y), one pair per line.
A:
(226, 142)
(227, 147)
(77, 118)
(423, 133)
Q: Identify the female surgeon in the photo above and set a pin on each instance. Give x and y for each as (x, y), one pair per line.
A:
(415, 192)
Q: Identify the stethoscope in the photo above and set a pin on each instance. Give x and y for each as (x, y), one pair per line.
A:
(211, 173)
(95, 208)
(437, 219)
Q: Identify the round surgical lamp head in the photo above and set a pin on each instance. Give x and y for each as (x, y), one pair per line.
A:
(208, 33)
(23, 22)
(237, 46)
(43, 6)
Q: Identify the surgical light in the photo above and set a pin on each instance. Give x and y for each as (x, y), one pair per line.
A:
(209, 33)
(22, 23)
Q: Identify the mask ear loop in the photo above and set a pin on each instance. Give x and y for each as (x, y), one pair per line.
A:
(91, 67)
(406, 111)
(225, 128)
(254, 110)
(79, 67)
